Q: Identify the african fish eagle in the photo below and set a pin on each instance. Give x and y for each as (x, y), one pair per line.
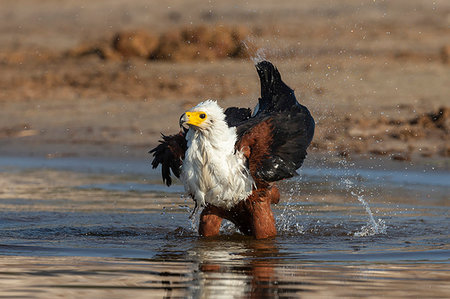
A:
(228, 160)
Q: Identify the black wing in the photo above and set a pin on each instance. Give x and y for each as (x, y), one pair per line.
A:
(235, 116)
(170, 154)
(276, 96)
(291, 127)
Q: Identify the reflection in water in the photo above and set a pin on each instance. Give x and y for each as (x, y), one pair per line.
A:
(236, 268)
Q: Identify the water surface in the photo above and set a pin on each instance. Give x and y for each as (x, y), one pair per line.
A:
(71, 227)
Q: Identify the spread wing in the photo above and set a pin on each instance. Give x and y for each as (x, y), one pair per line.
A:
(277, 136)
(170, 154)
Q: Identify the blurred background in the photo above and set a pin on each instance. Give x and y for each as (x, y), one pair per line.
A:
(104, 78)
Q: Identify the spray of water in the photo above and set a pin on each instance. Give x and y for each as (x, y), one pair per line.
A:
(372, 227)
(256, 54)
(287, 219)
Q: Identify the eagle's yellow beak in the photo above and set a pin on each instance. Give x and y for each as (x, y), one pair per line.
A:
(195, 118)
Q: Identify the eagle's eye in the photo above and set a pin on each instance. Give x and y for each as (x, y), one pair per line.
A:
(202, 116)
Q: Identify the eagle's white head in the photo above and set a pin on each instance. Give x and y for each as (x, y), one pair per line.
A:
(206, 116)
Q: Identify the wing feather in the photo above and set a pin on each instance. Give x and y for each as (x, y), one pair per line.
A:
(288, 129)
(235, 116)
(170, 154)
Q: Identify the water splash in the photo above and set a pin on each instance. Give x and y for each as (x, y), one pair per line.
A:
(259, 56)
(372, 227)
(369, 212)
(194, 221)
(228, 228)
(256, 54)
(194, 213)
(287, 222)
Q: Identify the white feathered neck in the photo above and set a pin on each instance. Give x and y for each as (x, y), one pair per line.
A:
(213, 171)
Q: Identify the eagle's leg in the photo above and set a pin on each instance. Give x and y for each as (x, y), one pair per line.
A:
(253, 216)
(210, 221)
(262, 219)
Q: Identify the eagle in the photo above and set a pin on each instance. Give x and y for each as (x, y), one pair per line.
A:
(228, 160)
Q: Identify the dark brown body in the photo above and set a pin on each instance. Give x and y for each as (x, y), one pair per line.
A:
(252, 216)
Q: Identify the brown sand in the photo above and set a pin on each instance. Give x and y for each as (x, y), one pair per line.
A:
(99, 78)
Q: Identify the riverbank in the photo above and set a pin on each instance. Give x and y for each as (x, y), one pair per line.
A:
(104, 84)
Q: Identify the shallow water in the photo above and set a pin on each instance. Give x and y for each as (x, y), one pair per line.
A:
(72, 227)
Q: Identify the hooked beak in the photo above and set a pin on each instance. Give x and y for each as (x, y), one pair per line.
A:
(183, 121)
